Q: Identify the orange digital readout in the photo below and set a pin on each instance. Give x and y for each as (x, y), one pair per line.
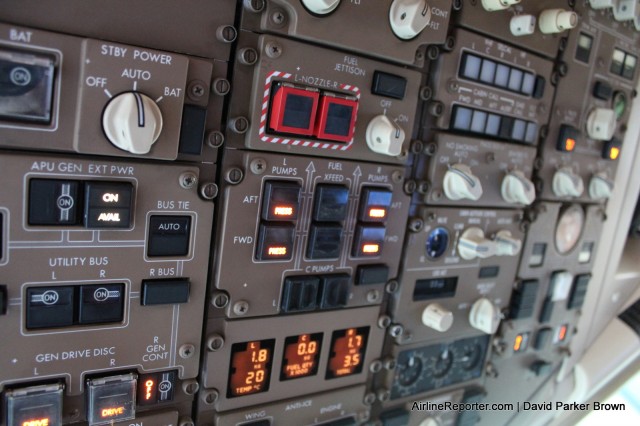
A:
(301, 355)
(109, 412)
(614, 153)
(277, 251)
(37, 422)
(370, 248)
(347, 352)
(569, 144)
(377, 213)
(283, 211)
(250, 367)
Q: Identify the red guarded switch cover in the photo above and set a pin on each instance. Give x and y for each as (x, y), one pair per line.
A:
(336, 119)
(293, 110)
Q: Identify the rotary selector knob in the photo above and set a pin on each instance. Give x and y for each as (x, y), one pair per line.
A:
(600, 187)
(517, 189)
(473, 244)
(384, 136)
(484, 316)
(557, 20)
(567, 184)
(493, 5)
(602, 4)
(625, 10)
(601, 124)
(459, 182)
(430, 421)
(321, 7)
(409, 17)
(437, 317)
(521, 25)
(132, 121)
(506, 244)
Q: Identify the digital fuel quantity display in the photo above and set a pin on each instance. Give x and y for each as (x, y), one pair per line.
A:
(250, 367)
(347, 352)
(301, 356)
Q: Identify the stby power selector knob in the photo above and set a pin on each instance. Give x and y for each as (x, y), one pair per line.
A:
(321, 7)
(506, 244)
(517, 189)
(473, 244)
(601, 124)
(492, 5)
(409, 17)
(132, 122)
(567, 184)
(437, 317)
(484, 316)
(384, 136)
(600, 187)
(553, 21)
(459, 182)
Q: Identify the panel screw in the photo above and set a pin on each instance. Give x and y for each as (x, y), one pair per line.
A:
(258, 166)
(416, 224)
(383, 395)
(234, 176)
(190, 387)
(209, 190)
(452, 86)
(239, 125)
(215, 139)
(375, 366)
(220, 300)
(255, 6)
(431, 149)
(188, 180)
(197, 89)
(186, 421)
(390, 364)
(221, 86)
(433, 52)
(450, 43)
(241, 307)
(436, 108)
(436, 195)
(373, 296)
(426, 93)
(410, 187)
(226, 34)
(391, 287)
(278, 17)
(370, 398)
(215, 342)
(210, 397)
(397, 176)
(247, 56)
(423, 187)
(187, 351)
(273, 50)
(395, 330)
(384, 321)
(363, 416)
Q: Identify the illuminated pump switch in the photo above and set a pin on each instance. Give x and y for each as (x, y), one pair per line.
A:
(280, 200)
(374, 204)
(101, 303)
(336, 118)
(293, 110)
(275, 242)
(53, 202)
(49, 307)
(111, 399)
(330, 203)
(108, 204)
(567, 138)
(34, 406)
(368, 241)
(156, 387)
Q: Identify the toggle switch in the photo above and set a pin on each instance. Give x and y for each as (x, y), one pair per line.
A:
(506, 244)
(493, 5)
(436, 317)
(384, 136)
(557, 20)
(484, 316)
(517, 189)
(600, 186)
(567, 184)
(321, 7)
(521, 25)
(473, 244)
(601, 124)
(460, 183)
(408, 18)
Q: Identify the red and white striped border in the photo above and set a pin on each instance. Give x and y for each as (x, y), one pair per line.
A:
(301, 142)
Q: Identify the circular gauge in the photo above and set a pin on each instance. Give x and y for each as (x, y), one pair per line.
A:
(471, 356)
(569, 228)
(437, 242)
(409, 372)
(442, 364)
(619, 104)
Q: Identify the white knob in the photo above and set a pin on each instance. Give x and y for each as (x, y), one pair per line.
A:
(601, 124)
(437, 317)
(506, 244)
(430, 421)
(600, 186)
(521, 25)
(459, 182)
(567, 184)
(602, 4)
(132, 122)
(493, 5)
(517, 189)
(384, 136)
(473, 244)
(321, 7)
(409, 17)
(484, 316)
(625, 10)
(557, 20)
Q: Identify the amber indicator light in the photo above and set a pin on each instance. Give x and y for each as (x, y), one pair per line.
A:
(569, 144)
(108, 412)
(562, 333)
(370, 248)
(301, 356)
(250, 367)
(614, 153)
(149, 390)
(377, 213)
(45, 421)
(518, 343)
(277, 251)
(347, 352)
(283, 211)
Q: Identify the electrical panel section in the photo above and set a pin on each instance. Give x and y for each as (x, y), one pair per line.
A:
(309, 212)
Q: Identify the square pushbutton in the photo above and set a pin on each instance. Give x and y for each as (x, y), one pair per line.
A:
(293, 110)
(324, 241)
(330, 203)
(53, 202)
(166, 291)
(336, 118)
(567, 138)
(389, 85)
(35, 405)
(49, 307)
(368, 241)
(335, 291)
(108, 204)
(300, 293)
(101, 303)
(280, 200)
(168, 236)
(111, 399)
(374, 204)
(275, 242)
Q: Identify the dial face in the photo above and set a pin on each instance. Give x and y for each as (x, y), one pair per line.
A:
(437, 243)
(409, 372)
(569, 228)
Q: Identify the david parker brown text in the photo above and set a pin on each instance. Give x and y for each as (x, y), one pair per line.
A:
(519, 406)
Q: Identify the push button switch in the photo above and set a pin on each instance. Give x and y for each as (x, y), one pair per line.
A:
(101, 303)
(111, 399)
(293, 110)
(335, 291)
(53, 202)
(330, 204)
(156, 387)
(374, 204)
(165, 291)
(168, 236)
(368, 241)
(567, 138)
(389, 85)
(324, 241)
(372, 274)
(300, 293)
(49, 307)
(275, 242)
(108, 204)
(35, 405)
(281, 201)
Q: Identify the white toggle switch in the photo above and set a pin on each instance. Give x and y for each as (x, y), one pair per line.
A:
(557, 20)
(506, 244)
(602, 4)
(625, 10)
(473, 244)
(132, 122)
(437, 317)
(601, 124)
(409, 17)
(493, 5)
(600, 187)
(484, 316)
(521, 25)
(567, 184)
(459, 182)
(517, 189)
(384, 136)
(321, 7)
